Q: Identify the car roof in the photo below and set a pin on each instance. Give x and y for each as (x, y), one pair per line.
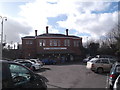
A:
(24, 62)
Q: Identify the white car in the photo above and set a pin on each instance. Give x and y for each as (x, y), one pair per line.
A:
(37, 61)
(17, 60)
(35, 66)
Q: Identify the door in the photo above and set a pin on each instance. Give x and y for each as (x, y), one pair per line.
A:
(106, 64)
(20, 76)
(24, 78)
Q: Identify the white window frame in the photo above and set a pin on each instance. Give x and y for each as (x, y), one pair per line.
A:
(54, 42)
(29, 42)
(42, 42)
(66, 42)
(76, 43)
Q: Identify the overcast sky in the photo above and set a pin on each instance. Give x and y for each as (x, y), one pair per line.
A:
(91, 19)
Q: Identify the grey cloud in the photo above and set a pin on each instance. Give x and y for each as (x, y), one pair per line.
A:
(13, 29)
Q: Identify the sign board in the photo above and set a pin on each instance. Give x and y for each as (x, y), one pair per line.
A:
(55, 48)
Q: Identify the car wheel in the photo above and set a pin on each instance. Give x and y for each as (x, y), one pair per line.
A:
(100, 70)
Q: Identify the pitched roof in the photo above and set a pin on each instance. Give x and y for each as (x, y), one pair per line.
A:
(56, 35)
(52, 35)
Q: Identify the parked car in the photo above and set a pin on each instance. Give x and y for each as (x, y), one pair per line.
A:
(48, 61)
(17, 60)
(17, 76)
(27, 64)
(100, 65)
(115, 71)
(37, 61)
(117, 84)
(35, 66)
(87, 59)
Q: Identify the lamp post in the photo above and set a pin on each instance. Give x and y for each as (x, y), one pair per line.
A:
(1, 46)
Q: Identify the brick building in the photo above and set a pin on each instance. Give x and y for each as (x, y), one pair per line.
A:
(55, 46)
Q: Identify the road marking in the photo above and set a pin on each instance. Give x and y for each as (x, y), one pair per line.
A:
(107, 81)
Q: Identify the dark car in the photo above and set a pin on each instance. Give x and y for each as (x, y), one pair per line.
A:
(48, 61)
(117, 84)
(17, 76)
(114, 73)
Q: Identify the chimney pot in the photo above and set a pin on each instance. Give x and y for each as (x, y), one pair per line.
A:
(67, 32)
(46, 29)
(35, 32)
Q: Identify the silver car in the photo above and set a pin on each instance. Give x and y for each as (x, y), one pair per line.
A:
(100, 65)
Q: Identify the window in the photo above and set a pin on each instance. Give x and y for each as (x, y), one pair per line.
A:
(112, 61)
(58, 42)
(54, 42)
(105, 61)
(118, 69)
(76, 43)
(51, 42)
(66, 42)
(42, 43)
(98, 61)
(19, 74)
(29, 42)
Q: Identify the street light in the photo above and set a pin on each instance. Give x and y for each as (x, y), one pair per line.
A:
(1, 46)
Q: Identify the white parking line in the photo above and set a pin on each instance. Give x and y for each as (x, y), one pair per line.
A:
(107, 81)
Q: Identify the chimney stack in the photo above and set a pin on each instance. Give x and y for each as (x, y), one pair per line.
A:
(46, 29)
(35, 32)
(67, 32)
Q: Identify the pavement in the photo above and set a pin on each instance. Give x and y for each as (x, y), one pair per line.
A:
(72, 75)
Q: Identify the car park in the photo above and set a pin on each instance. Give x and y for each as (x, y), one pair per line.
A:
(117, 84)
(100, 65)
(17, 76)
(114, 73)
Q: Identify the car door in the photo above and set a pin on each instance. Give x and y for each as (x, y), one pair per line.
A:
(106, 64)
(20, 76)
(24, 78)
(6, 76)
